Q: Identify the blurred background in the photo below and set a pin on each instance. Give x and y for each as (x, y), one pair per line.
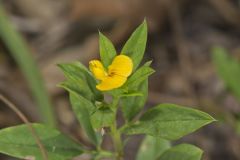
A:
(182, 35)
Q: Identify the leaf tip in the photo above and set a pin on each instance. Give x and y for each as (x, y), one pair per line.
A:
(99, 33)
(213, 119)
(145, 20)
(61, 85)
(60, 65)
(144, 23)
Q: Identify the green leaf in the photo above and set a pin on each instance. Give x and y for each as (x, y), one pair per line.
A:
(228, 69)
(139, 76)
(89, 105)
(80, 109)
(107, 50)
(118, 92)
(131, 94)
(169, 121)
(21, 53)
(152, 147)
(19, 142)
(136, 44)
(182, 152)
(131, 106)
(103, 117)
(81, 81)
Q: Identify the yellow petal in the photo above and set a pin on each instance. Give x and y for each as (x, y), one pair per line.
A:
(111, 82)
(122, 65)
(97, 69)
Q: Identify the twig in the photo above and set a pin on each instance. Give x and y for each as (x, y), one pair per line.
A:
(25, 120)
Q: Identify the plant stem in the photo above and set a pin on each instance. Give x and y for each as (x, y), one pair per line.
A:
(117, 141)
(100, 154)
(116, 136)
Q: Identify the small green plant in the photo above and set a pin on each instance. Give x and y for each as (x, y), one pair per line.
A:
(228, 69)
(117, 82)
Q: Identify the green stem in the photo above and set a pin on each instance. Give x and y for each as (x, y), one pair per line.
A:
(100, 154)
(116, 136)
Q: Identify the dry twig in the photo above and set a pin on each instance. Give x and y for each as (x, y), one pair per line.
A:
(26, 121)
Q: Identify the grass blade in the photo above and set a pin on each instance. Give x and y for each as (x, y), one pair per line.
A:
(22, 55)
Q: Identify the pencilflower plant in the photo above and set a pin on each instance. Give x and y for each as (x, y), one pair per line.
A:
(116, 82)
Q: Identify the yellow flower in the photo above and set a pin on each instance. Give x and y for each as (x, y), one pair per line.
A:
(115, 76)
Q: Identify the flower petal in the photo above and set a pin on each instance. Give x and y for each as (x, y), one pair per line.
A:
(111, 82)
(122, 65)
(97, 69)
